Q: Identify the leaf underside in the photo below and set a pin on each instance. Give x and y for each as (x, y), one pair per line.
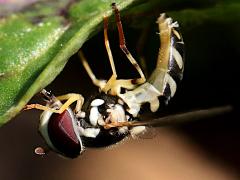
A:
(35, 44)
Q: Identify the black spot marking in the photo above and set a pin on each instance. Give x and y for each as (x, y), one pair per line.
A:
(122, 90)
(167, 91)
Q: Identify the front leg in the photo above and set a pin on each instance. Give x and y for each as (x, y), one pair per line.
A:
(70, 98)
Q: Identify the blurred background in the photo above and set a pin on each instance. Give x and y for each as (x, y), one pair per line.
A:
(206, 149)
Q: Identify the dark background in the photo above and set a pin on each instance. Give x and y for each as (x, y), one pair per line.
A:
(207, 149)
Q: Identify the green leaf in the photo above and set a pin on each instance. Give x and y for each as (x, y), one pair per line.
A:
(219, 13)
(36, 44)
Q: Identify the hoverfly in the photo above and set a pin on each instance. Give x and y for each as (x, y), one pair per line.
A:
(111, 115)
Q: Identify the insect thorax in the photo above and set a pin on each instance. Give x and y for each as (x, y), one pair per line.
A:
(102, 109)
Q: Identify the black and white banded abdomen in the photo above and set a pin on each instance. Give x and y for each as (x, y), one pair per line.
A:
(167, 74)
(170, 63)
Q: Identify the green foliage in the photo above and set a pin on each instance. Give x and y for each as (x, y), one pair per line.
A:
(35, 44)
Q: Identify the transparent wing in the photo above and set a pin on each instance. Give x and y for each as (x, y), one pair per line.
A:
(144, 127)
(184, 117)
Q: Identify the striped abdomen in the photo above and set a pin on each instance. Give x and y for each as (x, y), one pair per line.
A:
(170, 63)
(167, 74)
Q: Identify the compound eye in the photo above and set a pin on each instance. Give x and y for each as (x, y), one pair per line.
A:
(62, 132)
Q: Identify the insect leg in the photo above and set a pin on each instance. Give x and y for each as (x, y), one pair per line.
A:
(110, 83)
(124, 47)
(39, 107)
(140, 47)
(71, 98)
(96, 82)
(49, 97)
(107, 45)
(113, 84)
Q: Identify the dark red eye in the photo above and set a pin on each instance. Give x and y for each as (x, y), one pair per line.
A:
(62, 132)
